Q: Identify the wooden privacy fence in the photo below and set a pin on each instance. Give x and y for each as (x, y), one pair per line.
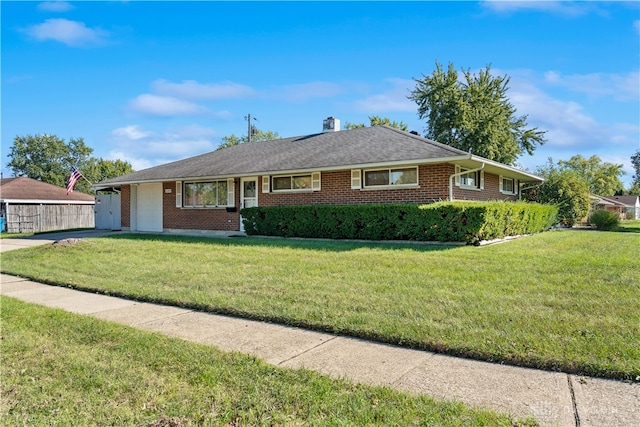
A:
(35, 218)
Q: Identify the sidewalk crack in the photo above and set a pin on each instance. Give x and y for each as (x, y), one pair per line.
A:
(307, 350)
(573, 401)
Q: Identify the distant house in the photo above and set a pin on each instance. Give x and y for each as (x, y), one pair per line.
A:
(376, 164)
(628, 207)
(28, 205)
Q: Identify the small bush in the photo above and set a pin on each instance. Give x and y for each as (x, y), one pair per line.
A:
(605, 220)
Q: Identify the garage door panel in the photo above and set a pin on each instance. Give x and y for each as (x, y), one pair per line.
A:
(149, 204)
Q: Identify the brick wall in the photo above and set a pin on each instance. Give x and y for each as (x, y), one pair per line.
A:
(198, 218)
(491, 191)
(335, 190)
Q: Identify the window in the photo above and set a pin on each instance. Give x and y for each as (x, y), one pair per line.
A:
(473, 180)
(206, 194)
(390, 177)
(295, 182)
(507, 185)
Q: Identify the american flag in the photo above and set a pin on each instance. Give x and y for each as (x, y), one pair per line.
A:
(75, 176)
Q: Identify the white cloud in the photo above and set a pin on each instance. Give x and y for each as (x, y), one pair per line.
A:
(560, 7)
(55, 6)
(193, 90)
(636, 25)
(394, 99)
(71, 33)
(144, 148)
(165, 106)
(568, 126)
(305, 91)
(621, 87)
(131, 133)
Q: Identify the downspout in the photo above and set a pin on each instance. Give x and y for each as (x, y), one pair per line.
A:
(452, 177)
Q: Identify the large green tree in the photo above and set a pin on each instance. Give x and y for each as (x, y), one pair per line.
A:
(256, 136)
(48, 158)
(634, 190)
(564, 189)
(474, 114)
(378, 121)
(602, 178)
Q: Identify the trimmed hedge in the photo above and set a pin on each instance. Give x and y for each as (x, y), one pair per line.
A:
(468, 222)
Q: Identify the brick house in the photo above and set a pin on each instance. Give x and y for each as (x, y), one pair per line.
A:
(627, 207)
(376, 164)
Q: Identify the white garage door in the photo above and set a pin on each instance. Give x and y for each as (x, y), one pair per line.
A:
(149, 206)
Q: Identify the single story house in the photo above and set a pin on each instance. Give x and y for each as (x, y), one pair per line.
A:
(28, 205)
(627, 207)
(378, 164)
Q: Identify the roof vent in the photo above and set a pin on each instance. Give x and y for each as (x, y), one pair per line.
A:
(330, 124)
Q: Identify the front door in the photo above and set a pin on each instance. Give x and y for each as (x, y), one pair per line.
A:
(248, 195)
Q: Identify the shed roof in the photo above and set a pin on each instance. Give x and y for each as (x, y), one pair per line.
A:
(27, 190)
(361, 147)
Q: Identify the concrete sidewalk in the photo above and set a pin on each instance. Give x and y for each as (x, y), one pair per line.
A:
(552, 398)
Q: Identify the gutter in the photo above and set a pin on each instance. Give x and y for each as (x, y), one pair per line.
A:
(451, 178)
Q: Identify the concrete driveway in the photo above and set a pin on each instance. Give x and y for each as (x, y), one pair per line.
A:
(45, 238)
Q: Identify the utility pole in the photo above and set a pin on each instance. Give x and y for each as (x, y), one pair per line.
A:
(250, 128)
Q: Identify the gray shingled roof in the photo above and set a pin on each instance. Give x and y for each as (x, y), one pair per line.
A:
(361, 146)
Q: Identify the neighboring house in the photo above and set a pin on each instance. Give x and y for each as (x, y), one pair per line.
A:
(627, 207)
(376, 164)
(28, 205)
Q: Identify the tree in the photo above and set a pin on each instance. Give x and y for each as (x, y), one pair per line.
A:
(378, 121)
(474, 114)
(98, 169)
(48, 158)
(564, 189)
(256, 136)
(602, 178)
(635, 161)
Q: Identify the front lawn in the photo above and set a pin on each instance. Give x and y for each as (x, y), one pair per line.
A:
(64, 369)
(563, 300)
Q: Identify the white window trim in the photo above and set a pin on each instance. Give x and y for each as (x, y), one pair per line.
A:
(230, 194)
(458, 181)
(316, 181)
(356, 179)
(314, 186)
(266, 183)
(178, 194)
(515, 186)
(390, 186)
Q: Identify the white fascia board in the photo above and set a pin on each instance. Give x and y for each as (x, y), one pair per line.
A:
(507, 168)
(46, 202)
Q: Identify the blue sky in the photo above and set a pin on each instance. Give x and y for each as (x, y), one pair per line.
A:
(152, 82)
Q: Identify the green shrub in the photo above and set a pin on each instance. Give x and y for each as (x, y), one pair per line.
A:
(468, 222)
(605, 220)
(568, 192)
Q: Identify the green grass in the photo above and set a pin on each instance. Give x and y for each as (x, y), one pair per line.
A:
(5, 235)
(564, 300)
(64, 369)
(630, 226)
